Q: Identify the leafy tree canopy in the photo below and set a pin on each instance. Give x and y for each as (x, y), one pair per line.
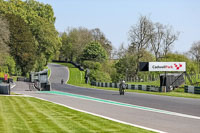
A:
(22, 43)
(94, 51)
(40, 19)
(4, 39)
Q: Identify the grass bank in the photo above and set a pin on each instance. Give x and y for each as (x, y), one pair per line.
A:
(49, 71)
(77, 77)
(155, 83)
(25, 114)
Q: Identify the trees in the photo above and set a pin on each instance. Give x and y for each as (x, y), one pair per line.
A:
(99, 76)
(41, 10)
(146, 35)
(4, 39)
(94, 51)
(22, 43)
(75, 39)
(169, 38)
(121, 52)
(7, 63)
(98, 36)
(195, 52)
(191, 67)
(140, 36)
(157, 40)
(162, 39)
(73, 42)
(47, 39)
(126, 67)
(66, 48)
(40, 19)
(94, 57)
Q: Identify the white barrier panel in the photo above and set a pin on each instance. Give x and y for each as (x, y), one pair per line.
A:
(190, 89)
(108, 84)
(157, 89)
(113, 85)
(104, 84)
(144, 87)
(136, 87)
(129, 86)
(152, 89)
(117, 85)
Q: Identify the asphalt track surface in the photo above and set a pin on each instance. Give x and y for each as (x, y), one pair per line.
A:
(154, 120)
(174, 104)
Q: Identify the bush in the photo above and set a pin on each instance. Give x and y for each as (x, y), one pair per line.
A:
(92, 65)
(99, 76)
(10, 63)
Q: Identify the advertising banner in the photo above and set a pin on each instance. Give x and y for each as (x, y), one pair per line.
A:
(167, 66)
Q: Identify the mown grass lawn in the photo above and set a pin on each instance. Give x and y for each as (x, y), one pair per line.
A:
(26, 114)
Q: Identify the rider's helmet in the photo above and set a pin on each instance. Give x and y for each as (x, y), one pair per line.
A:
(123, 81)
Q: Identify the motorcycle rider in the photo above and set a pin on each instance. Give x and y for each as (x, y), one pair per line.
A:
(122, 87)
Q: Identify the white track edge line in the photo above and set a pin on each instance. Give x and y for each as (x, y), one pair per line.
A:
(68, 74)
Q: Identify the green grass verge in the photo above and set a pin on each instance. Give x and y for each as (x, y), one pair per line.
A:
(14, 78)
(76, 76)
(155, 83)
(25, 114)
(49, 70)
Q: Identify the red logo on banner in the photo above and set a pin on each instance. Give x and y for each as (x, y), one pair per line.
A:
(178, 66)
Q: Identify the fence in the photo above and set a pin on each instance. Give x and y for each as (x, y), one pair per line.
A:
(40, 80)
(193, 78)
(143, 78)
(192, 89)
(129, 86)
(23, 79)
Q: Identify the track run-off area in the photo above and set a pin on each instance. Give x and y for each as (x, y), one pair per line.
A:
(152, 112)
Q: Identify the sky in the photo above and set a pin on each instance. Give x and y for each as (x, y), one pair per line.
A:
(115, 17)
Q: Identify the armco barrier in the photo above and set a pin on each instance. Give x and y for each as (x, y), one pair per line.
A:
(129, 86)
(192, 89)
(23, 79)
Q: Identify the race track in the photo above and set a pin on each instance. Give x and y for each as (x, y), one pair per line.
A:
(174, 104)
